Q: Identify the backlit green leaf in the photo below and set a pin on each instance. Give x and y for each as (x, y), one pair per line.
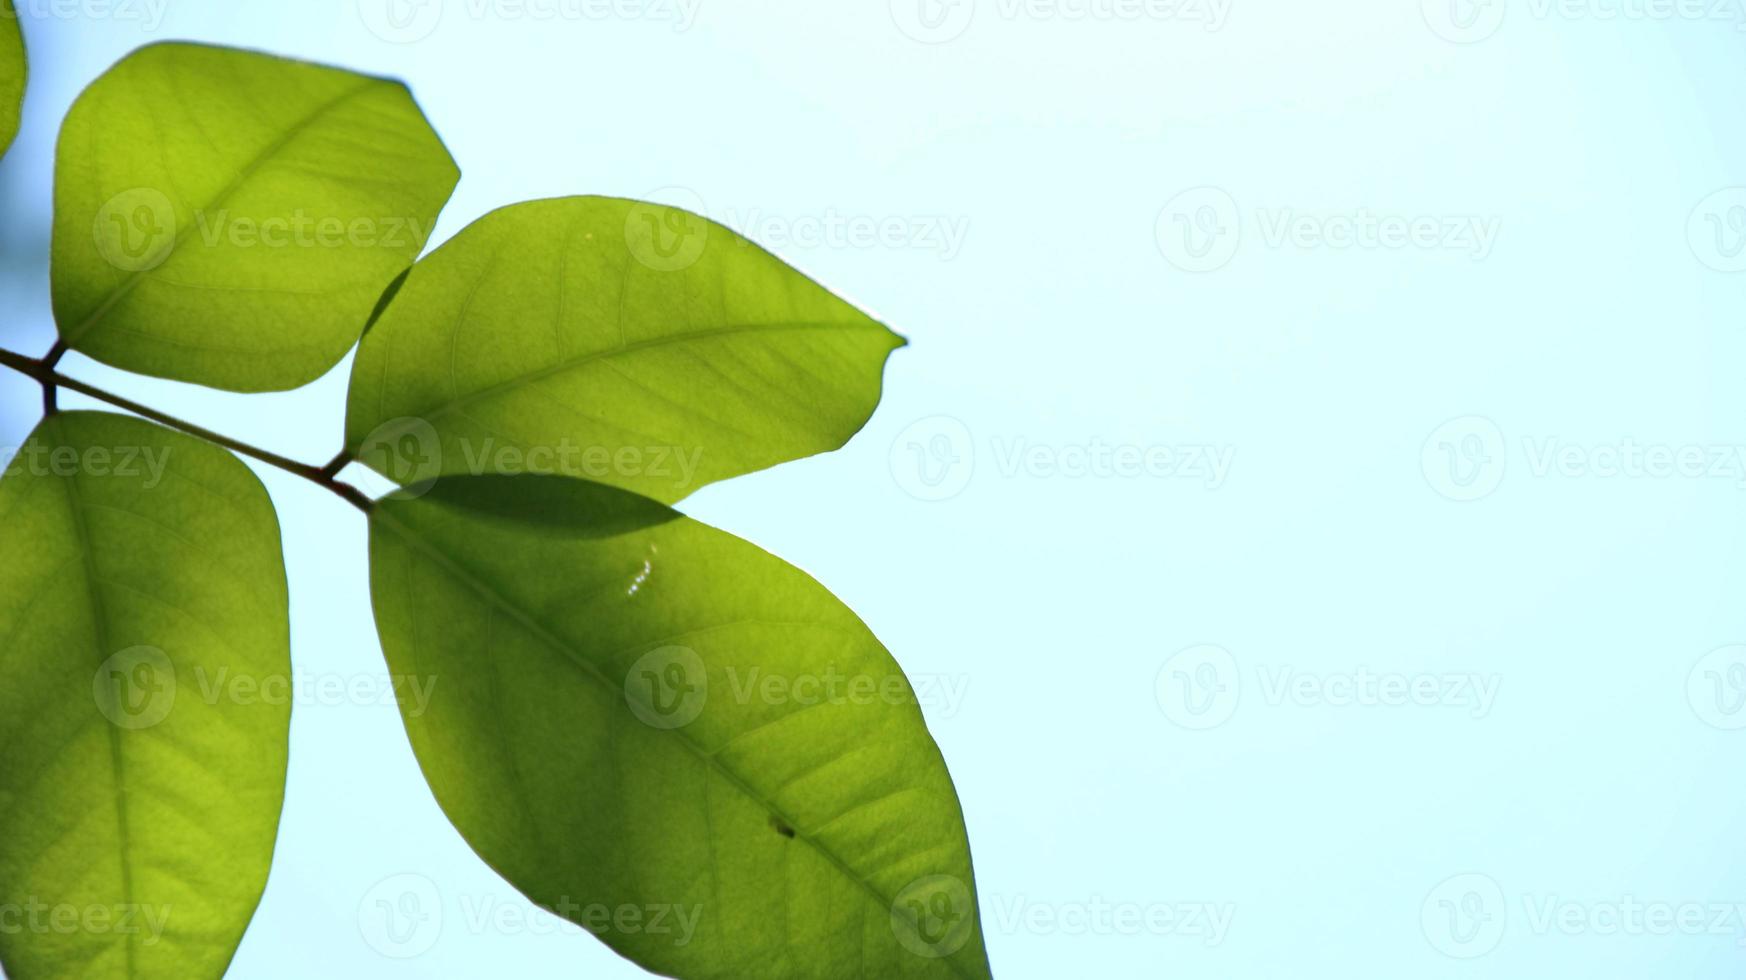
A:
(142, 761)
(670, 737)
(12, 72)
(629, 344)
(231, 218)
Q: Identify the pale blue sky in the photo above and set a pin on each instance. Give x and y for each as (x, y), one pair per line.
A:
(1270, 359)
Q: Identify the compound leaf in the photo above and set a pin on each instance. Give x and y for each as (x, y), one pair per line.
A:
(670, 737)
(231, 218)
(142, 768)
(12, 72)
(625, 343)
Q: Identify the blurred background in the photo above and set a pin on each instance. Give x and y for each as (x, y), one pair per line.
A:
(1310, 507)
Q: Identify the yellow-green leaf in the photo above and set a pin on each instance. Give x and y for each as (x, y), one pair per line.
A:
(231, 218)
(670, 737)
(142, 609)
(12, 73)
(630, 344)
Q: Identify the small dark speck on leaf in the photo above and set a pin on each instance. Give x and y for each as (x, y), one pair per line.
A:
(780, 827)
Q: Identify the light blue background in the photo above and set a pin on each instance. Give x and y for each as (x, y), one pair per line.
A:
(1331, 546)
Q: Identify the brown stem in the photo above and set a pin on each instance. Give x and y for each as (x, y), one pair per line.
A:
(45, 374)
(49, 390)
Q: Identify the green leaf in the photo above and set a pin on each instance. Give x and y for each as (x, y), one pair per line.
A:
(231, 218)
(12, 72)
(624, 343)
(140, 781)
(634, 716)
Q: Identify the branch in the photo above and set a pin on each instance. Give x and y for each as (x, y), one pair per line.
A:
(50, 379)
(58, 351)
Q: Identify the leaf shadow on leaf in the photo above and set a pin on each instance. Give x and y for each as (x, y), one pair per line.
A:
(576, 508)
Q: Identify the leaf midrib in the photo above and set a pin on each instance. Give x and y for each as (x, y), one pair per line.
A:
(467, 577)
(100, 633)
(296, 129)
(569, 364)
